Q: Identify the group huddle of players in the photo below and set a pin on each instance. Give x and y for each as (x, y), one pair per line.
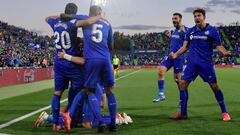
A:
(87, 67)
(90, 71)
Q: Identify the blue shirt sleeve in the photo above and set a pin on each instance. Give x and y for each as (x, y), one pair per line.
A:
(52, 22)
(216, 37)
(110, 36)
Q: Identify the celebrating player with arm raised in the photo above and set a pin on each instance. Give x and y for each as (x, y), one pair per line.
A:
(200, 40)
(177, 38)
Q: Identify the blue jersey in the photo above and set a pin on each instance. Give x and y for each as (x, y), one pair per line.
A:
(177, 39)
(65, 34)
(202, 42)
(97, 38)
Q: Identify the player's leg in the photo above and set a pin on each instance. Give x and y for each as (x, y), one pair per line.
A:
(189, 75)
(220, 99)
(207, 73)
(117, 71)
(71, 95)
(108, 80)
(61, 84)
(94, 67)
(178, 69)
(77, 77)
(183, 101)
(165, 65)
(177, 79)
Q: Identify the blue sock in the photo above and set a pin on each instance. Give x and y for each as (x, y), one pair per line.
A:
(112, 107)
(55, 108)
(71, 95)
(183, 102)
(77, 102)
(220, 100)
(160, 87)
(94, 106)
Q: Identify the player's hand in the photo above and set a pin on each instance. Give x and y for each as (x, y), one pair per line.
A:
(227, 54)
(61, 54)
(172, 55)
(182, 28)
(104, 19)
(66, 17)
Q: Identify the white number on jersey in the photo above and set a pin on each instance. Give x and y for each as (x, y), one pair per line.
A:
(97, 35)
(64, 36)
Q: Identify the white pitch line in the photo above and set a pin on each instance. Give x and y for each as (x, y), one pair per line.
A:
(26, 116)
(47, 107)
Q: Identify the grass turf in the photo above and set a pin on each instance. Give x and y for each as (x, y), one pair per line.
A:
(134, 96)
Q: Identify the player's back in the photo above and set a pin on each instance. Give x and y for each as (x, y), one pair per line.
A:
(65, 34)
(97, 38)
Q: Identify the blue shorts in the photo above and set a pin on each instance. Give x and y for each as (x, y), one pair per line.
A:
(177, 64)
(62, 77)
(98, 70)
(204, 70)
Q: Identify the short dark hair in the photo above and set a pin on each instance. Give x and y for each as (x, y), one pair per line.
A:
(178, 14)
(71, 8)
(95, 10)
(200, 10)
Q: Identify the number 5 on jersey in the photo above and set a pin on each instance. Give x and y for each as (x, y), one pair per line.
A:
(97, 35)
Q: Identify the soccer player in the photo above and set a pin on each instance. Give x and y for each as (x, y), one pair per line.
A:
(65, 33)
(201, 40)
(116, 65)
(177, 38)
(98, 41)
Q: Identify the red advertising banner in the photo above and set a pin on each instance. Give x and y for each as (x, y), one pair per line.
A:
(22, 75)
(25, 75)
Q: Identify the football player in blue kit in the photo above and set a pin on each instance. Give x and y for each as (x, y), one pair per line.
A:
(65, 34)
(177, 39)
(200, 40)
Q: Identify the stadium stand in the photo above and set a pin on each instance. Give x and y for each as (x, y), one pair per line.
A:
(22, 48)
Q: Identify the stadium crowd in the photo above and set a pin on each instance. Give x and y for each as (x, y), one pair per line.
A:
(23, 48)
(151, 41)
(233, 34)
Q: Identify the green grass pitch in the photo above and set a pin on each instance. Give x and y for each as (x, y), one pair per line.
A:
(134, 96)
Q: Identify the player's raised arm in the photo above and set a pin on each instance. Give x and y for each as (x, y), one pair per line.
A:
(89, 21)
(51, 17)
(77, 60)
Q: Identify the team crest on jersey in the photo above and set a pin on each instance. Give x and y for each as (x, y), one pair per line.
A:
(191, 37)
(207, 32)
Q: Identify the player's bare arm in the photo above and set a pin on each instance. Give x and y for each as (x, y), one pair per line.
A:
(89, 21)
(181, 51)
(223, 51)
(52, 17)
(77, 60)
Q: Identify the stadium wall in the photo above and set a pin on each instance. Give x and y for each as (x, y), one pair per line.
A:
(24, 75)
